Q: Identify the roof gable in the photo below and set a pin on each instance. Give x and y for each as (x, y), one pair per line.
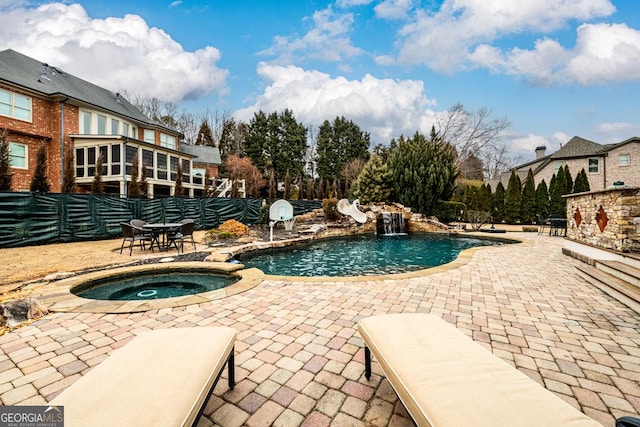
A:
(577, 147)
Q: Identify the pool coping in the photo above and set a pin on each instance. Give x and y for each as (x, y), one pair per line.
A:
(57, 296)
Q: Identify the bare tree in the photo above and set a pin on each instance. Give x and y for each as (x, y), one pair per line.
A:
(216, 120)
(472, 133)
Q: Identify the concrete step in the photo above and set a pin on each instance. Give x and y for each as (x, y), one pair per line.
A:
(615, 287)
(621, 270)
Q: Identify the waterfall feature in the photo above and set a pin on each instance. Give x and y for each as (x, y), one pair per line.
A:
(390, 224)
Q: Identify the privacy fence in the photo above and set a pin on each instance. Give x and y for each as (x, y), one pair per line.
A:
(32, 219)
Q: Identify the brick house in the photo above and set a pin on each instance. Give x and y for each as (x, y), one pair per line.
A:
(604, 164)
(43, 105)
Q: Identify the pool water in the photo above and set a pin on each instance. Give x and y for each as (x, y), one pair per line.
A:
(154, 286)
(363, 255)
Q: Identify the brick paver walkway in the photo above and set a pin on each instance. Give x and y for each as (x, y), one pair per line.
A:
(300, 361)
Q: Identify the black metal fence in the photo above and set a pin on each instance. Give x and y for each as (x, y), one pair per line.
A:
(32, 219)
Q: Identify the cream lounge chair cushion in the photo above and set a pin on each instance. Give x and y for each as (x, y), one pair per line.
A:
(160, 378)
(445, 379)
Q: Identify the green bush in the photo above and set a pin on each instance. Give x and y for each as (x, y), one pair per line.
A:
(330, 208)
(264, 214)
(450, 211)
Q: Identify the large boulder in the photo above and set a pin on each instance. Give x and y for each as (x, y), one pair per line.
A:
(15, 312)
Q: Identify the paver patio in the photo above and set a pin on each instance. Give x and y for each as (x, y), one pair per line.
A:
(299, 360)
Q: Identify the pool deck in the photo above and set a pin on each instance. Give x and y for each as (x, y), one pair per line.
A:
(299, 359)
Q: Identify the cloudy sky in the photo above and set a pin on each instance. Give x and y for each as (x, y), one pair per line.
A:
(554, 68)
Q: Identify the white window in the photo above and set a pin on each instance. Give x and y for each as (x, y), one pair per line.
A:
(125, 129)
(557, 165)
(149, 136)
(102, 124)
(624, 160)
(167, 141)
(115, 127)
(85, 123)
(15, 105)
(18, 154)
(594, 165)
(134, 132)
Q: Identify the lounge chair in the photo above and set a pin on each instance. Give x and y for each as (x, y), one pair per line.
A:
(444, 378)
(130, 236)
(160, 378)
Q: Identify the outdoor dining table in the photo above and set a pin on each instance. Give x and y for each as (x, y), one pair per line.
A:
(160, 229)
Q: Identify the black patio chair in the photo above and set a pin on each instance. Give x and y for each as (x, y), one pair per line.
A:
(130, 236)
(542, 224)
(180, 234)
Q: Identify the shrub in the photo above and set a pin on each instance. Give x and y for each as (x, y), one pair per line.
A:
(450, 211)
(264, 214)
(330, 208)
(230, 229)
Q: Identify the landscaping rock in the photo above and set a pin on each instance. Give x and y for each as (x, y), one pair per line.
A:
(15, 312)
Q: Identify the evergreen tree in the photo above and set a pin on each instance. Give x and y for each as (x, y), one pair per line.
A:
(424, 172)
(272, 185)
(205, 136)
(582, 182)
(144, 185)
(569, 179)
(542, 200)
(512, 199)
(339, 143)
(528, 200)
(486, 199)
(310, 189)
(375, 182)
(5, 162)
(69, 179)
(178, 190)
(97, 186)
(39, 182)
(498, 203)
(287, 186)
(134, 185)
(557, 188)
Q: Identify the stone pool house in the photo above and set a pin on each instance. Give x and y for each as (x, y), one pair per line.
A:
(43, 105)
(603, 163)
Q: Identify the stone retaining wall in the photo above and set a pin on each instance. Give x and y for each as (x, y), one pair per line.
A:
(607, 219)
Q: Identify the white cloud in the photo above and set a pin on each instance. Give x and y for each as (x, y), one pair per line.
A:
(393, 9)
(524, 146)
(116, 53)
(384, 60)
(327, 40)
(614, 132)
(444, 40)
(384, 107)
(351, 3)
(603, 53)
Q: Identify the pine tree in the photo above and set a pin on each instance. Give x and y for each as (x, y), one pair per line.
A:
(486, 201)
(424, 172)
(204, 135)
(97, 186)
(69, 179)
(512, 199)
(134, 185)
(542, 200)
(528, 200)
(310, 189)
(287, 186)
(569, 179)
(582, 182)
(498, 203)
(375, 182)
(178, 189)
(5, 162)
(39, 182)
(272, 185)
(144, 185)
(557, 188)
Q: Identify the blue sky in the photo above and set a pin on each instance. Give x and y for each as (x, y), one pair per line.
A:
(554, 68)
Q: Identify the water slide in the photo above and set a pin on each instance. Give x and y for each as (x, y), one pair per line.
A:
(346, 208)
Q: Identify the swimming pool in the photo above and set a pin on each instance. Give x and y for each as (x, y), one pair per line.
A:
(153, 285)
(363, 255)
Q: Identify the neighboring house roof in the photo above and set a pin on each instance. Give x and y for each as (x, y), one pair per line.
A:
(610, 147)
(20, 70)
(577, 147)
(204, 153)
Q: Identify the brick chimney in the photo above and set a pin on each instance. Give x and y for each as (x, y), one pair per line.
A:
(540, 151)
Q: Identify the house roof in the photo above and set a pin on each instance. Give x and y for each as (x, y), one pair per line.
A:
(610, 147)
(577, 147)
(204, 153)
(20, 70)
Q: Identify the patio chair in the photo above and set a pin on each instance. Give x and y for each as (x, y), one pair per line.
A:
(187, 229)
(130, 236)
(542, 224)
(138, 227)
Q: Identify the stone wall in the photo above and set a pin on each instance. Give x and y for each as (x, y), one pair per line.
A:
(607, 219)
